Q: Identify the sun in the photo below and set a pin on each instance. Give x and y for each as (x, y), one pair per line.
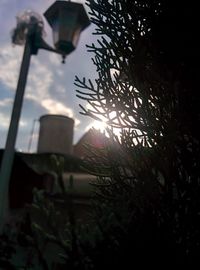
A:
(103, 127)
(99, 125)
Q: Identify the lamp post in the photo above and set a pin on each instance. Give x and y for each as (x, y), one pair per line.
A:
(67, 20)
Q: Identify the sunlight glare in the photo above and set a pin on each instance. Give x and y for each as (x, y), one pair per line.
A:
(99, 125)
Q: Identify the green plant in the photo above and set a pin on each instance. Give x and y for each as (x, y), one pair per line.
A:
(146, 87)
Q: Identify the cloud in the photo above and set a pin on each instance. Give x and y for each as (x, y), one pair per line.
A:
(55, 59)
(9, 65)
(39, 81)
(4, 121)
(23, 123)
(54, 107)
(6, 102)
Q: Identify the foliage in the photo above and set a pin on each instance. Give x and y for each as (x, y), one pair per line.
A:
(6, 251)
(19, 249)
(147, 87)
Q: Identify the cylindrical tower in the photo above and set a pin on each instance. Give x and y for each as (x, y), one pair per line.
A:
(55, 134)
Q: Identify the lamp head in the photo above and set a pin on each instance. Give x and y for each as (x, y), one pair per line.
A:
(68, 20)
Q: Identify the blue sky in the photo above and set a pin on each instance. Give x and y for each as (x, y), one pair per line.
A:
(50, 87)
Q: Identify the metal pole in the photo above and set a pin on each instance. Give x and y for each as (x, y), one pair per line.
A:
(31, 135)
(9, 152)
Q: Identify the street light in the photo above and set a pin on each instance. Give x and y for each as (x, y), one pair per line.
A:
(67, 20)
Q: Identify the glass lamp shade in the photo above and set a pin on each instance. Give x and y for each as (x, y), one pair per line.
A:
(67, 20)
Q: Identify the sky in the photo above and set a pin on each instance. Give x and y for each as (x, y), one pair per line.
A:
(50, 86)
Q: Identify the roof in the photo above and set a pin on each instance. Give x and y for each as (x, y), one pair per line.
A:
(93, 138)
(43, 162)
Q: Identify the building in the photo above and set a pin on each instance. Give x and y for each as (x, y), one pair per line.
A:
(39, 170)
